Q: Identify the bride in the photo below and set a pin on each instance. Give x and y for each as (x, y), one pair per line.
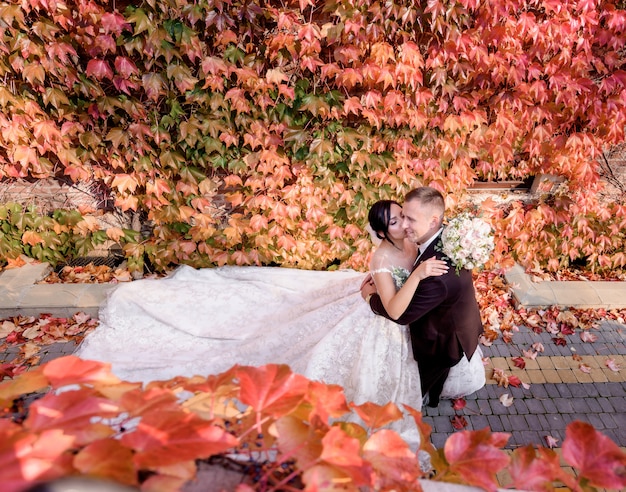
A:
(202, 322)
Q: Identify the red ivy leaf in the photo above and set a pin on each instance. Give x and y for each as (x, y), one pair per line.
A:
(595, 456)
(514, 381)
(459, 403)
(474, 455)
(99, 69)
(519, 362)
(533, 469)
(458, 422)
(559, 341)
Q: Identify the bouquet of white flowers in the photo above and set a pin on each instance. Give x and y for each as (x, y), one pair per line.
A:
(467, 241)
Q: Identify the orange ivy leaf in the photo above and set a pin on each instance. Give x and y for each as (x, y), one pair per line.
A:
(74, 412)
(595, 456)
(170, 437)
(107, 459)
(343, 452)
(26, 458)
(272, 389)
(28, 382)
(375, 415)
(72, 370)
(392, 460)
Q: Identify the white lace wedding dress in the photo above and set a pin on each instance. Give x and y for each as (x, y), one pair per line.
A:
(201, 322)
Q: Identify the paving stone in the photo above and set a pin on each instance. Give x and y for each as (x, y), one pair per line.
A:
(536, 377)
(535, 406)
(617, 389)
(539, 391)
(594, 406)
(567, 376)
(483, 407)
(564, 390)
(527, 437)
(595, 420)
(583, 390)
(543, 422)
(442, 424)
(580, 405)
(618, 403)
(608, 421)
(564, 405)
(518, 422)
(478, 422)
(497, 408)
(495, 423)
(556, 421)
(533, 422)
(606, 405)
(520, 406)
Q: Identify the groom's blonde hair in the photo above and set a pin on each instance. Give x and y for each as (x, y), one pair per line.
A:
(428, 197)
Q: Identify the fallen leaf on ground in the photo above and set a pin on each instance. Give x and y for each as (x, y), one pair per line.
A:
(551, 441)
(537, 346)
(506, 400)
(519, 362)
(459, 403)
(585, 336)
(584, 368)
(612, 364)
(458, 422)
(500, 377)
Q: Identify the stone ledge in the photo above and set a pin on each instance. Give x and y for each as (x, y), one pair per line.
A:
(577, 294)
(21, 295)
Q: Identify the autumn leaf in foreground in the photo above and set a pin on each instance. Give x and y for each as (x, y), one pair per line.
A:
(392, 459)
(595, 456)
(475, 456)
(535, 469)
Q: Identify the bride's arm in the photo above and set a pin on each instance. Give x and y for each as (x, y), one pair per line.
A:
(396, 301)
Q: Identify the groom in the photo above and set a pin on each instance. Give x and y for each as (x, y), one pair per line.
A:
(443, 316)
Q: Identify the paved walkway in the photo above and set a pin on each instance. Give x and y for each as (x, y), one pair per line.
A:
(558, 393)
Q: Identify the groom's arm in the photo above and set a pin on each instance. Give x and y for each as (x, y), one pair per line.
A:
(428, 296)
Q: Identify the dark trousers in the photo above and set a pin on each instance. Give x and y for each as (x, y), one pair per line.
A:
(433, 375)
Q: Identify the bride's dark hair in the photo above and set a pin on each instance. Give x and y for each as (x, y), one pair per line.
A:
(379, 216)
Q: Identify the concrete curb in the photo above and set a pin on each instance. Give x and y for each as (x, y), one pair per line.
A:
(576, 294)
(20, 294)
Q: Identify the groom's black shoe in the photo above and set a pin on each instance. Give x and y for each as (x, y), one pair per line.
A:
(433, 402)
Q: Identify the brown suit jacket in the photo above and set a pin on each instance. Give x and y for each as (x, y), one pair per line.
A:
(443, 316)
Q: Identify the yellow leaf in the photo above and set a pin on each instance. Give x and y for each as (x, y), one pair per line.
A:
(32, 238)
(115, 233)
